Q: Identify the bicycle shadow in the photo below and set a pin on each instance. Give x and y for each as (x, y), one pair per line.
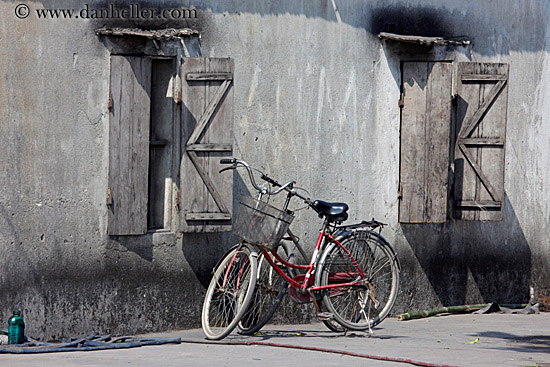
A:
(272, 333)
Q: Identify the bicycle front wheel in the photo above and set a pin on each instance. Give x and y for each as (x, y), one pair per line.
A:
(361, 306)
(268, 293)
(229, 293)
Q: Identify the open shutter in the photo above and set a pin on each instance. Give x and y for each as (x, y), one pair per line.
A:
(425, 139)
(129, 144)
(479, 153)
(207, 97)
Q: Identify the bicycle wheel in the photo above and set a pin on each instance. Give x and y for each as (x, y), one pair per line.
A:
(229, 293)
(363, 306)
(268, 293)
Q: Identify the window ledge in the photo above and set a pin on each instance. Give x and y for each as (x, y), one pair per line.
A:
(426, 41)
(156, 34)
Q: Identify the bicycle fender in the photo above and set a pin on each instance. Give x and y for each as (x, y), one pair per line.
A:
(232, 248)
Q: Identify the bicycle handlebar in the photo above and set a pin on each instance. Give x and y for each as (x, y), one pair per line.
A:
(288, 187)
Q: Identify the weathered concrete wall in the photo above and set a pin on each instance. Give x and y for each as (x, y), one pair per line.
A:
(315, 100)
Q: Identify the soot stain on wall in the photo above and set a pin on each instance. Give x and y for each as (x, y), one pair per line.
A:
(417, 21)
(193, 19)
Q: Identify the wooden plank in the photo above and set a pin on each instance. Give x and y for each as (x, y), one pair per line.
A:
(210, 147)
(438, 125)
(422, 40)
(207, 216)
(413, 138)
(492, 159)
(483, 77)
(482, 141)
(464, 176)
(425, 129)
(208, 76)
(220, 131)
(129, 144)
(480, 204)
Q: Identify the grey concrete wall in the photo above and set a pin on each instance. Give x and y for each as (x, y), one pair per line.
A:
(315, 101)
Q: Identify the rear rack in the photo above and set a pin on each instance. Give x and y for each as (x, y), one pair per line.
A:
(373, 224)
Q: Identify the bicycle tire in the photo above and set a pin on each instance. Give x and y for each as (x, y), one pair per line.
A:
(356, 307)
(268, 293)
(229, 292)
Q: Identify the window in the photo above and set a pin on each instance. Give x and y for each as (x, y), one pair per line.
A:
(476, 150)
(140, 144)
(145, 135)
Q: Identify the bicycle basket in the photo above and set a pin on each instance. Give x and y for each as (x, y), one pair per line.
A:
(260, 223)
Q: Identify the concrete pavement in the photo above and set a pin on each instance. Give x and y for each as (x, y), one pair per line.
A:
(454, 340)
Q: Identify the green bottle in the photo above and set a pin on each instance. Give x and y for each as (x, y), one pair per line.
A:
(16, 332)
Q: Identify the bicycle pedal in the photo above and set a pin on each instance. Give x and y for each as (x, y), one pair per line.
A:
(325, 316)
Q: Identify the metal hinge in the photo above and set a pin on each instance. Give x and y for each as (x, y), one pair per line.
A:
(178, 201)
(109, 197)
(399, 192)
(402, 100)
(110, 101)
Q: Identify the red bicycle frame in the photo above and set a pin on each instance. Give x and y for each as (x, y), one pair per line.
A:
(312, 266)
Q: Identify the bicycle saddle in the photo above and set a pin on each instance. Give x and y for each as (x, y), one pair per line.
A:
(335, 212)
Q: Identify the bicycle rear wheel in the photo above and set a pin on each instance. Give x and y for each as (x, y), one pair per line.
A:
(229, 293)
(366, 305)
(268, 293)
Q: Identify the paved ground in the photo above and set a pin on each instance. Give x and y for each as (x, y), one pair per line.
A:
(504, 340)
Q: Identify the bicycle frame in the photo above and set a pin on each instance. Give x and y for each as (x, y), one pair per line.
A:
(311, 268)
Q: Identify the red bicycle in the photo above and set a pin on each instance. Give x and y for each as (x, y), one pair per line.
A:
(352, 276)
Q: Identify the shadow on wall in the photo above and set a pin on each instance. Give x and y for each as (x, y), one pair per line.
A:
(470, 262)
(203, 250)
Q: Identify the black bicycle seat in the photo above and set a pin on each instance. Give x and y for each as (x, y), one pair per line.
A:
(335, 212)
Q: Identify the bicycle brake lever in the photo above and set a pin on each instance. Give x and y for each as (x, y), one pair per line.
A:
(226, 168)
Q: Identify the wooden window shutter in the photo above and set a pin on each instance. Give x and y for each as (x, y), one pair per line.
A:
(207, 129)
(425, 140)
(129, 120)
(479, 151)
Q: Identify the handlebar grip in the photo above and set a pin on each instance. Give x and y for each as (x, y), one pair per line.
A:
(271, 181)
(227, 161)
